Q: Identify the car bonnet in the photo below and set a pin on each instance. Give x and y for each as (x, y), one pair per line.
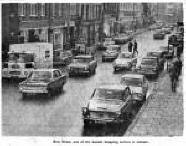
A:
(106, 105)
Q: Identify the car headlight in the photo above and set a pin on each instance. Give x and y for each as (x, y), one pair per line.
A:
(85, 111)
(154, 69)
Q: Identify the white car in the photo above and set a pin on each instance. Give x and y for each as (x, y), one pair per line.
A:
(138, 85)
(125, 60)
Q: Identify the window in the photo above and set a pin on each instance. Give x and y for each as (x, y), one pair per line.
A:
(42, 9)
(60, 10)
(32, 9)
(21, 9)
(47, 54)
(53, 9)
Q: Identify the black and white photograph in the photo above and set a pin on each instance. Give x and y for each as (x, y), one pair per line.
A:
(98, 69)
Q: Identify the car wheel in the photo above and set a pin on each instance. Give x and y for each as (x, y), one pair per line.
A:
(94, 71)
(103, 60)
(86, 123)
(50, 93)
(24, 95)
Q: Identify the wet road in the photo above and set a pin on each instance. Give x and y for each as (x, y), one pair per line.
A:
(61, 114)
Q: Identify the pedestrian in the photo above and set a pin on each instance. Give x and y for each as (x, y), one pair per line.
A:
(173, 77)
(179, 66)
(130, 46)
(135, 50)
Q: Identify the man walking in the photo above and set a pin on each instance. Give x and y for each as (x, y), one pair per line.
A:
(135, 50)
(130, 46)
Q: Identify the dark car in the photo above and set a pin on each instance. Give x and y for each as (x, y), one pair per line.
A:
(105, 43)
(123, 38)
(176, 39)
(159, 35)
(108, 104)
(111, 53)
(84, 64)
(160, 56)
(43, 81)
(149, 66)
(168, 51)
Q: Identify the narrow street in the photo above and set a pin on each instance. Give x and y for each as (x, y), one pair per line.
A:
(61, 114)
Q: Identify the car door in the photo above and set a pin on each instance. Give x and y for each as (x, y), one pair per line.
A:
(56, 81)
(92, 63)
(145, 85)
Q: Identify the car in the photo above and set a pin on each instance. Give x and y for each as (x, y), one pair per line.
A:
(43, 81)
(175, 39)
(111, 53)
(149, 66)
(62, 58)
(105, 43)
(125, 60)
(123, 38)
(83, 64)
(158, 35)
(138, 85)
(109, 104)
(167, 30)
(168, 51)
(160, 56)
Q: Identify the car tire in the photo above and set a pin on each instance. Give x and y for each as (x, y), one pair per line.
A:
(24, 95)
(94, 71)
(86, 123)
(103, 60)
(50, 93)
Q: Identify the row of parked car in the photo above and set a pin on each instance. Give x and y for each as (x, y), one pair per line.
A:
(161, 32)
(110, 104)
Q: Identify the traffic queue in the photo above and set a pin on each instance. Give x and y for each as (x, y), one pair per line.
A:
(108, 103)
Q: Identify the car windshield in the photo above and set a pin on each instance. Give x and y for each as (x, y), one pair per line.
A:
(109, 94)
(149, 61)
(154, 54)
(137, 82)
(125, 55)
(112, 48)
(81, 60)
(40, 76)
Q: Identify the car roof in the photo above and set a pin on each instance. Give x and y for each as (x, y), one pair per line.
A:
(133, 76)
(149, 57)
(45, 69)
(113, 46)
(112, 87)
(126, 52)
(84, 56)
(157, 51)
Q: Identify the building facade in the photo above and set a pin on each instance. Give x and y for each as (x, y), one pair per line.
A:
(46, 23)
(130, 16)
(90, 15)
(110, 16)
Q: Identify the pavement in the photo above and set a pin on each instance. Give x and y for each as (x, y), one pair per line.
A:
(162, 114)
